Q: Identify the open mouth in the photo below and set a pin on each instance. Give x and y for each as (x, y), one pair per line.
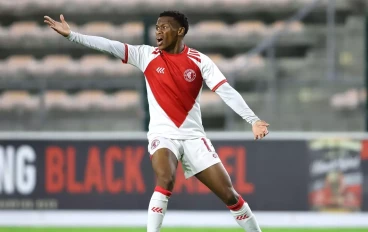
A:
(159, 41)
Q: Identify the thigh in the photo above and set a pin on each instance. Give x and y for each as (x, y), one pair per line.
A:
(158, 143)
(199, 154)
(164, 161)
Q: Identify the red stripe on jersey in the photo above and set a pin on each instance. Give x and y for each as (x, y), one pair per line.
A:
(176, 85)
(194, 53)
(163, 191)
(156, 51)
(196, 58)
(126, 54)
(218, 85)
(191, 50)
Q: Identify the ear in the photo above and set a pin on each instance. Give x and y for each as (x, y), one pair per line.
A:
(181, 31)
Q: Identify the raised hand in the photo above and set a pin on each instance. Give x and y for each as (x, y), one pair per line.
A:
(60, 27)
(259, 129)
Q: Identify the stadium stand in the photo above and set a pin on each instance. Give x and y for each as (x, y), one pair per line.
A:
(37, 63)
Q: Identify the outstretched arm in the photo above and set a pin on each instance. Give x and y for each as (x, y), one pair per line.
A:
(235, 101)
(104, 45)
(217, 82)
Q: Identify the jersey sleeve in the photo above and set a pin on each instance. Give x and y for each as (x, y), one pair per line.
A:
(211, 74)
(137, 55)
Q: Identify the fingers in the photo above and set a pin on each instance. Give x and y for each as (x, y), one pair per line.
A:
(258, 136)
(62, 19)
(261, 134)
(48, 19)
(51, 23)
(48, 23)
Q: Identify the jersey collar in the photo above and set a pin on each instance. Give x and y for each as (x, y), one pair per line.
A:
(185, 51)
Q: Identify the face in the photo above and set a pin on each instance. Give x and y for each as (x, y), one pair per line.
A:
(168, 31)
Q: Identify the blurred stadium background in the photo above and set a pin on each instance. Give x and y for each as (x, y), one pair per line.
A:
(299, 64)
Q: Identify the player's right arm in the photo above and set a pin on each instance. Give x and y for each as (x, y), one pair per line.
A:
(127, 53)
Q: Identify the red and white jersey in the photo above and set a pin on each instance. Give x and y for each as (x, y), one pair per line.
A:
(174, 85)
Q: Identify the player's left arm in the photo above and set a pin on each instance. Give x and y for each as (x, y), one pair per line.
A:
(217, 82)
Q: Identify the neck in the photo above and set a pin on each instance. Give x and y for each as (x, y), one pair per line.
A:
(176, 48)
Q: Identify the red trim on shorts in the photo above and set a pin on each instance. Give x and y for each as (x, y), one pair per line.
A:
(126, 54)
(206, 144)
(163, 191)
(218, 85)
(238, 205)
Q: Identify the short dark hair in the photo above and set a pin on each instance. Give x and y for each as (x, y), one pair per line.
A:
(179, 17)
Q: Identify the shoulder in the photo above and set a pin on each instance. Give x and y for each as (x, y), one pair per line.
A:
(143, 49)
(201, 59)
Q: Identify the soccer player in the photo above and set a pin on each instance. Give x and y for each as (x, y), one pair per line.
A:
(174, 75)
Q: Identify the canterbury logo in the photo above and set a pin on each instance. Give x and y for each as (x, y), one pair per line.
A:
(160, 70)
(242, 217)
(157, 210)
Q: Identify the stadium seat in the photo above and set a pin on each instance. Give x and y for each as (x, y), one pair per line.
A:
(210, 28)
(13, 100)
(247, 28)
(116, 68)
(18, 66)
(216, 57)
(101, 65)
(89, 99)
(18, 28)
(242, 64)
(131, 32)
(56, 65)
(19, 61)
(58, 100)
(92, 64)
(98, 28)
(209, 99)
(125, 99)
(294, 27)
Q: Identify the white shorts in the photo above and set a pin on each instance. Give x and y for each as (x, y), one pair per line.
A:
(195, 155)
